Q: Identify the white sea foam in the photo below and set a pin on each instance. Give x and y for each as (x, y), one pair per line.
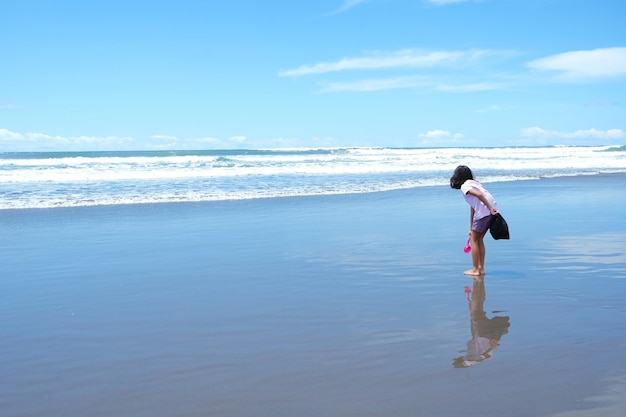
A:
(52, 180)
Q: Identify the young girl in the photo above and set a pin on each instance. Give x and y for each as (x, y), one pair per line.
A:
(482, 207)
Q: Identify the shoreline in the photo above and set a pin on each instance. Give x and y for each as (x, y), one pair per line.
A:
(314, 196)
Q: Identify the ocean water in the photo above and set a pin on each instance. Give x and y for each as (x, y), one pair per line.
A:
(68, 179)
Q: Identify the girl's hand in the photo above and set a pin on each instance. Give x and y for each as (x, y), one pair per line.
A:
(493, 210)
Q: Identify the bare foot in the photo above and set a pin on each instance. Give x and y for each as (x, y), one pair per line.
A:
(474, 272)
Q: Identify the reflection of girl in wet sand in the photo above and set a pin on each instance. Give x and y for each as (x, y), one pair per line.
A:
(486, 333)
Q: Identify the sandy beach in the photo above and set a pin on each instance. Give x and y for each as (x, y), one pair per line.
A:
(347, 305)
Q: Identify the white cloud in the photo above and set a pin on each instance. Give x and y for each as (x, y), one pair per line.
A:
(584, 65)
(539, 133)
(405, 58)
(164, 137)
(40, 142)
(164, 142)
(462, 71)
(440, 134)
(238, 139)
(36, 142)
(7, 135)
(43, 142)
(439, 137)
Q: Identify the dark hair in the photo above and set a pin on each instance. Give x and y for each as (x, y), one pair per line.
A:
(461, 174)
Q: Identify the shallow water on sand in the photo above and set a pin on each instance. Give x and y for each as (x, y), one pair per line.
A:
(333, 306)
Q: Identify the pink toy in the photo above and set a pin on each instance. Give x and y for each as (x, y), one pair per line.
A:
(468, 291)
(467, 247)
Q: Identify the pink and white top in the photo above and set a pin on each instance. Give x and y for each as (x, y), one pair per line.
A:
(480, 209)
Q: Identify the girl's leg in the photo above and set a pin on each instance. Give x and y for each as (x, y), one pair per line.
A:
(481, 245)
(478, 254)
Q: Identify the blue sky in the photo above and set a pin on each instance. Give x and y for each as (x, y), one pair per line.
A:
(190, 74)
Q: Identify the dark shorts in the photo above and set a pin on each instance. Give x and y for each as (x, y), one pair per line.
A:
(481, 225)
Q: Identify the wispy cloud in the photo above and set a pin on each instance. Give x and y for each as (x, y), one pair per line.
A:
(472, 87)
(442, 2)
(584, 65)
(404, 58)
(488, 109)
(347, 5)
(539, 133)
(10, 106)
(424, 82)
(602, 104)
(377, 84)
(464, 71)
(445, 71)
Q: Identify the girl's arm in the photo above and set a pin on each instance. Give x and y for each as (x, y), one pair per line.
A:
(482, 198)
(471, 220)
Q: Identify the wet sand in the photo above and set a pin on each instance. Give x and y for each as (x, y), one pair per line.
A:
(324, 306)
